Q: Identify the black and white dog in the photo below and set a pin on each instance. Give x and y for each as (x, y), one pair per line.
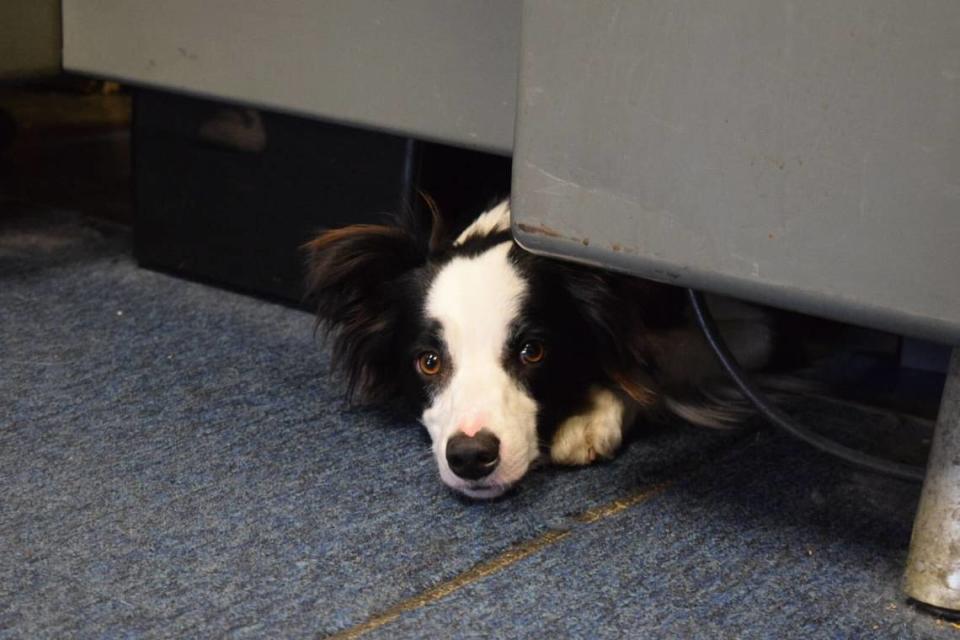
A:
(507, 357)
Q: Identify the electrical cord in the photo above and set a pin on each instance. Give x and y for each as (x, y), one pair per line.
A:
(772, 413)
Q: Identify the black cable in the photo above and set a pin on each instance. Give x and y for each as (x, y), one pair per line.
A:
(778, 417)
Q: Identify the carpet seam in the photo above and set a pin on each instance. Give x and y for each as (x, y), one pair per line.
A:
(502, 561)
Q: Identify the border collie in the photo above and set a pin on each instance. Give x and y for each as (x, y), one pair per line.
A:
(508, 357)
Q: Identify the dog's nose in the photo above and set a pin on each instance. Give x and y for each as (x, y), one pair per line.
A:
(473, 457)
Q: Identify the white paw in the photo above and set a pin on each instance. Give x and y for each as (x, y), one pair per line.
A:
(583, 438)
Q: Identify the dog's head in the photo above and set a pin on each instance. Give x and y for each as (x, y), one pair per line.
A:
(491, 346)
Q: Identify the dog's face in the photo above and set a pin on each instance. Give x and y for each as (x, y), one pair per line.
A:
(489, 345)
(476, 361)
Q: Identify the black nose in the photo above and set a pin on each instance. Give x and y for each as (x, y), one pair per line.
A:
(474, 457)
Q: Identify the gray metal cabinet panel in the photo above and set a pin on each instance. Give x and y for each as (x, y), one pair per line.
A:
(805, 154)
(437, 69)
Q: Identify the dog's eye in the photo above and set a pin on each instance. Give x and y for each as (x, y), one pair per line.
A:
(532, 352)
(428, 363)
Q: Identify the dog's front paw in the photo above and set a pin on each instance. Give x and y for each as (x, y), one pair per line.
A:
(583, 438)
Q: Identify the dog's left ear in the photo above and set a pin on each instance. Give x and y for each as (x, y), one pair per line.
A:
(355, 277)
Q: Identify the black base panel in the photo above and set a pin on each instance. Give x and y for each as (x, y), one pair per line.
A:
(213, 211)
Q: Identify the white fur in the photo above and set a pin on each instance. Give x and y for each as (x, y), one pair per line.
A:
(598, 432)
(494, 220)
(475, 299)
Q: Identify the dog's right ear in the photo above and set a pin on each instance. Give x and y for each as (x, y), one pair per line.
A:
(352, 260)
(352, 276)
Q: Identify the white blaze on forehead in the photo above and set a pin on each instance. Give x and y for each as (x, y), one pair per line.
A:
(475, 299)
(497, 219)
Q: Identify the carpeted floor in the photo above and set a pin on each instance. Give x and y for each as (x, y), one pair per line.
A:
(177, 461)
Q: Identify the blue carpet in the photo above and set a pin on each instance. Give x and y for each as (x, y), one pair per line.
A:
(767, 544)
(177, 460)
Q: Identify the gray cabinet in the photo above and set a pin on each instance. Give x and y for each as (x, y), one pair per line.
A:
(441, 70)
(803, 154)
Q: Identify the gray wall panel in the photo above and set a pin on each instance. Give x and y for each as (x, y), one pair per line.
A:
(438, 69)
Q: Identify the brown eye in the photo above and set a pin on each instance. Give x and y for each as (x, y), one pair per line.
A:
(428, 363)
(532, 352)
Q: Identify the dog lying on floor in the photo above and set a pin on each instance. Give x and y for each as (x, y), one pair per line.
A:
(508, 357)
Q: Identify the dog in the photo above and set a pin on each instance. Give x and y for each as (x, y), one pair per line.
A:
(510, 358)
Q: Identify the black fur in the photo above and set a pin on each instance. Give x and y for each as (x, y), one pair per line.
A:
(597, 329)
(369, 283)
(364, 281)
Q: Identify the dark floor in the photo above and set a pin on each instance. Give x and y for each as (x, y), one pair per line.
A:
(177, 460)
(66, 143)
